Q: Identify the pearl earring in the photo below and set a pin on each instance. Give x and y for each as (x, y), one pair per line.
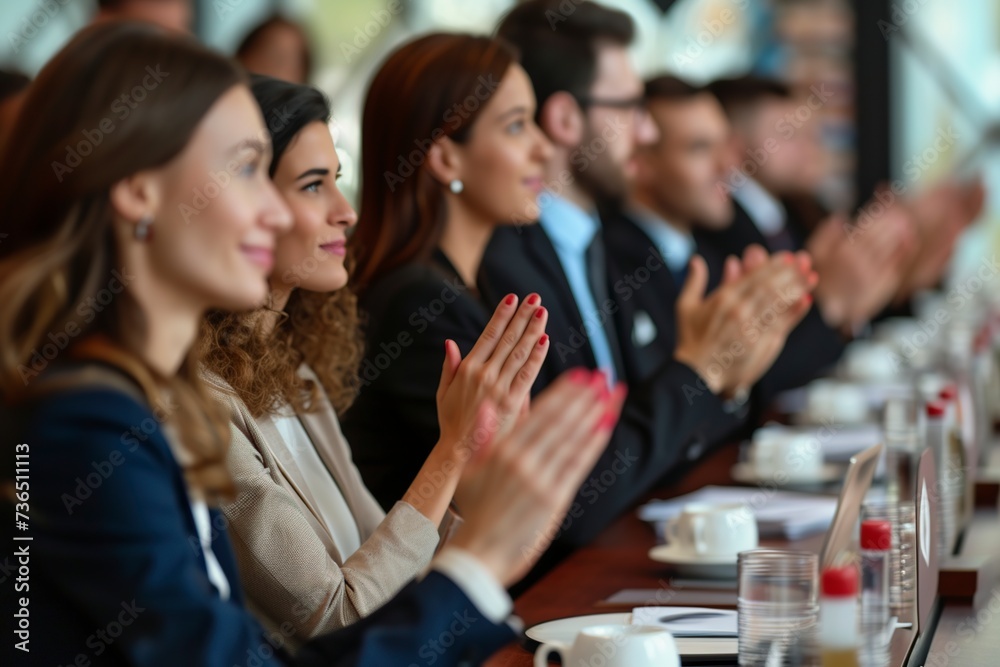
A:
(456, 186)
(143, 229)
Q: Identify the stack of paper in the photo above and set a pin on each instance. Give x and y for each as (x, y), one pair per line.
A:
(704, 622)
(780, 514)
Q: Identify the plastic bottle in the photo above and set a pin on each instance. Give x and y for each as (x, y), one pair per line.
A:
(838, 617)
(935, 436)
(958, 467)
(876, 547)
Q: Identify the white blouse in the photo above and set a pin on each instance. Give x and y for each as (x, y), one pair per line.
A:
(311, 475)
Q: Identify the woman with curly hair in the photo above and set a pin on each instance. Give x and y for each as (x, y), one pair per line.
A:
(315, 549)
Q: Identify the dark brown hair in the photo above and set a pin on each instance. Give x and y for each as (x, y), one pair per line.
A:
(743, 93)
(320, 329)
(255, 36)
(670, 88)
(60, 250)
(430, 88)
(558, 42)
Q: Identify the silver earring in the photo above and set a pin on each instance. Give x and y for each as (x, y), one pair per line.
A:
(456, 186)
(143, 227)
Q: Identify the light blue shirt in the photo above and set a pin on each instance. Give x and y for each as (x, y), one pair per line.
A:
(675, 246)
(765, 211)
(571, 229)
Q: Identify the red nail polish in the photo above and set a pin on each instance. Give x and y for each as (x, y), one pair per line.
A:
(533, 299)
(540, 313)
(607, 421)
(579, 376)
(809, 299)
(544, 339)
(509, 300)
(599, 379)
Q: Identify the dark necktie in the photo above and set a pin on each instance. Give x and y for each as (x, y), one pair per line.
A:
(680, 275)
(597, 272)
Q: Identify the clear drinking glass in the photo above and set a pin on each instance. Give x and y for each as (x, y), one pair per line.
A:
(777, 604)
(902, 558)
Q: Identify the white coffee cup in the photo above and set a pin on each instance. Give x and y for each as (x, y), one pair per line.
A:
(870, 361)
(713, 531)
(840, 402)
(794, 456)
(615, 646)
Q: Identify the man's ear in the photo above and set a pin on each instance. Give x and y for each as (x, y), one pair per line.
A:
(444, 160)
(562, 120)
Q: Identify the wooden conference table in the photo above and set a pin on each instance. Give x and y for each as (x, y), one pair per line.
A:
(618, 560)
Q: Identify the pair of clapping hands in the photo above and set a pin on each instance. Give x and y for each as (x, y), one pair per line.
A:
(518, 469)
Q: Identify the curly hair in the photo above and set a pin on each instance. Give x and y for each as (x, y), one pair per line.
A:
(314, 328)
(318, 329)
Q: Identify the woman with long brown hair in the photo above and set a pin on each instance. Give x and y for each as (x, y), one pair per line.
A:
(136, 199)
(449, 151)
(314, 547)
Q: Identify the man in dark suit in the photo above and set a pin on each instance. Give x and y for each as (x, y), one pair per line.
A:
(776, 186)
(678, 198)
(590, 103)
(777, 170)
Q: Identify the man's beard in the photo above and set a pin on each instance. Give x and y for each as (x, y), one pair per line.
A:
(604, 181)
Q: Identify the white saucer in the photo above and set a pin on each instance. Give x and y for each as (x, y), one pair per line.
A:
(692, 565)
(565, 630)
(744, 473)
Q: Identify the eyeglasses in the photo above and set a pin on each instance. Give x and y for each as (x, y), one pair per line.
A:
(633, 103)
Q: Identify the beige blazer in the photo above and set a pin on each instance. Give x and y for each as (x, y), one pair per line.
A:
(295, 580)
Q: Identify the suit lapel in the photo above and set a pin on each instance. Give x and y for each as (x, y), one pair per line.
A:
(542, 254)
(266, 431)
(325, 433)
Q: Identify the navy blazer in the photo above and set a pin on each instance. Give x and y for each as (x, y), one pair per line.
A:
(117, 575)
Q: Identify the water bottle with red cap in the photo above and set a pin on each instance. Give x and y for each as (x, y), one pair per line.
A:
(876, 547)
(838, 617)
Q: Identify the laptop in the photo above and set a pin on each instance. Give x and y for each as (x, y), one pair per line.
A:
(856, 484)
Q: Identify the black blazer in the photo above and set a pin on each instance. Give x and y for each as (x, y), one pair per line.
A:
(670, 418)
(117, 574)
(392, 425)
(813, 346)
